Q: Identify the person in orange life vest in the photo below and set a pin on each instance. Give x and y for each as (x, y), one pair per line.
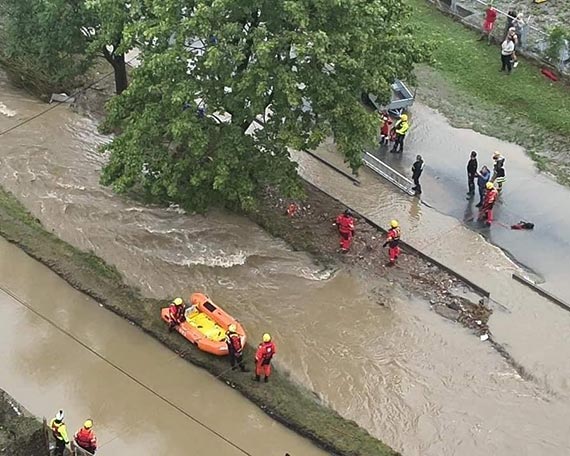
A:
(345, 225)
(385, 127)
(235, 348)
(59, 431)
(263, 356)
(486, 212)
(85, 437)
(176, 312)
(393, 241)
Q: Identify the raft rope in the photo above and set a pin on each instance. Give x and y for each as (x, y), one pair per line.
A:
(122, 371)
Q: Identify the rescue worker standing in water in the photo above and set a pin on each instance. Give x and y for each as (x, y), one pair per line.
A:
(176, 311)
(345, 225)
(85, 437)
(401, 127)
(393, 242)
(490, 198)
(59, 431)
(263, 356)
(235, 348)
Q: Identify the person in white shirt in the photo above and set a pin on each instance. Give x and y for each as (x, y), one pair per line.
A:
(507, 50)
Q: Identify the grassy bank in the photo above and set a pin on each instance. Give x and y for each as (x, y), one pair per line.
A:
(20, 434)
(464, 83)
(282, 399)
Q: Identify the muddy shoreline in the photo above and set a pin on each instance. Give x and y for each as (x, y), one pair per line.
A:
(20, 433)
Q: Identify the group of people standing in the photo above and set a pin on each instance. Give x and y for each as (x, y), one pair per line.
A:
(345, 224)
(512, 35)
(489, 184)
(84, 438)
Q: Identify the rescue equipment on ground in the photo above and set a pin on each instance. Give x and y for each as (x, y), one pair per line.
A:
(206, 324)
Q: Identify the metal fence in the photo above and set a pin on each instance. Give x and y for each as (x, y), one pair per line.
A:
(388, 173)
(534, 40)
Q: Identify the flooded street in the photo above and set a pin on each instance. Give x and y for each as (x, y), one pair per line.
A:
(420, 383)
(527, 195)
(67, 352)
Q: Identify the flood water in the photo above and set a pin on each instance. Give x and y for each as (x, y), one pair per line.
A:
(423, 385)
(46, 364)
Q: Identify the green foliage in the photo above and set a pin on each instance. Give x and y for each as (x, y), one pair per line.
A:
(43, 42)
(556, 39)
(242, 60)
(50, 44)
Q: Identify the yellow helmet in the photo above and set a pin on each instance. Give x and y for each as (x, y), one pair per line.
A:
(178, 301)
(404, 117)
(232, 328)
(497, 154)
(266, 337)
(394, 224)
(489, 185)
(88, 424)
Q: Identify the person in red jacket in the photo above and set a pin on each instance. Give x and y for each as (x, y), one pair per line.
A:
(489, 23)
(85, 437)
(385, 127)
(176, 312)
(235, 348)
(393, 241)
(263, 356)
(491, 196)
(345, 225)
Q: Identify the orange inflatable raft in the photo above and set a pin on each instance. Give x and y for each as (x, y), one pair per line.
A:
(206, 325)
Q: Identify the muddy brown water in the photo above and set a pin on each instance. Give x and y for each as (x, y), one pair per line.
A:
(46, 368)
(423, 385)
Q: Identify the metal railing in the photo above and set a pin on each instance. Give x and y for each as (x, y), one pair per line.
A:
(534, 40)
(388, 173)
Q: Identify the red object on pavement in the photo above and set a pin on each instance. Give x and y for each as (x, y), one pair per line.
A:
(549, 74)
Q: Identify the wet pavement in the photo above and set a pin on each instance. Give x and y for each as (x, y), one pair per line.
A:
(527, 195)
(67, 352)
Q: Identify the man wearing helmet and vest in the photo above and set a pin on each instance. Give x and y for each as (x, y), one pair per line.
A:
(499, 175)
(345, 225)
(401, 128)
(235, 348)
(176, 311)
(85, 437)
(393, 242)
(263, 356)
(486, 212)
(59, 431)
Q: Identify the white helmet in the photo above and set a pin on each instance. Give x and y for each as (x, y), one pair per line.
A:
(59, 416)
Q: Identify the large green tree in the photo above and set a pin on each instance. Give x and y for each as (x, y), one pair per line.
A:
(226, 87)
(43, 44)
(50, 44)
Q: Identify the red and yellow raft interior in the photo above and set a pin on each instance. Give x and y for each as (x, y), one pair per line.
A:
(206, 325)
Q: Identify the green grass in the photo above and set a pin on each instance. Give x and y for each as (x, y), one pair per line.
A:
(474, 67)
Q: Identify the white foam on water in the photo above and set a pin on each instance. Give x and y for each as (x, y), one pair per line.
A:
(223, 260)
(5, 111)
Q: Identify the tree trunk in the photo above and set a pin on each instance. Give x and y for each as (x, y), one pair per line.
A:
(121, 79)
(120, 68)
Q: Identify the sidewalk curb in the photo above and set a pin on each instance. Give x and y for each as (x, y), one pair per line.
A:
(545, 294)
